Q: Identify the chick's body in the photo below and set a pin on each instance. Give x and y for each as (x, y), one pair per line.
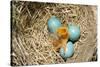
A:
(63, 35)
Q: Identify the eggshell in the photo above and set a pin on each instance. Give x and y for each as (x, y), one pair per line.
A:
(69, 50)
(53, 24)
(74, 32)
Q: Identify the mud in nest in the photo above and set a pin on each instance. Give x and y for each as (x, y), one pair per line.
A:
(30, 41)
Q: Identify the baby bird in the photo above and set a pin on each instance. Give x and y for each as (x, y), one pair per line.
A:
(63, 36)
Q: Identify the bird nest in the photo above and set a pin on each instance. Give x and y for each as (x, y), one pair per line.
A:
(31, 40)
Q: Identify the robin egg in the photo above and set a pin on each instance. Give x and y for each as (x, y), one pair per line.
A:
(53, 24)
(69, 50)
(74, 32)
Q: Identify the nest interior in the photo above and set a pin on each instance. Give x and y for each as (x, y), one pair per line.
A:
(30, 38)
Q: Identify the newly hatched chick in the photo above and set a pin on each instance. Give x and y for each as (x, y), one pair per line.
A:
(63, 36)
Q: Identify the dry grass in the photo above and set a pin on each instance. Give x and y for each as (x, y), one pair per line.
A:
(31, 39)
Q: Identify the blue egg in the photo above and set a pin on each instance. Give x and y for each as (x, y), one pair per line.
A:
(53, 24)
(69, 50)
(74, 32)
